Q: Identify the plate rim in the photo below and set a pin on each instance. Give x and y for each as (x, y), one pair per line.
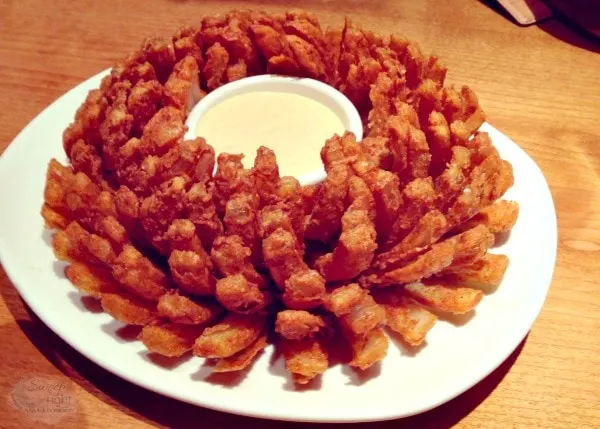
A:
(550, 252)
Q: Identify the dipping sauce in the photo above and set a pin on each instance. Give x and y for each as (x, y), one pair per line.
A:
(295, 127)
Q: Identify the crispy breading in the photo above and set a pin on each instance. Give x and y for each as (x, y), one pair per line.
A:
(443, 297)
(343, 299)
(310, 63)
(236, 293)
(86, 124)
(128, 308)
(53, 218)
(369, 349)
(191, 272)
(418, 197)
(410, 320)
(168, 338)
(458, 250)
(357, 244)
(229, 179)
(305, 359)
(266, 175)
(215, 67)
(230, 336)
(404, 315)
(295, 199)
(161, 54)
(303, 290)
(483, 273)
(499, 217)
(182, 89)
(188, 311)
(143, 102)
(428, 230)
(298, 324)
(91, 280)
(201, 210)
(325, 219)
(281, 256)
(139, 275)
(115, 131)
(163, 131)
(363, 317)
(243, 358)
(160, 209)
(231, 256)
(240, 219)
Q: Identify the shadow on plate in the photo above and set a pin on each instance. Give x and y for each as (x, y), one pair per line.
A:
(165, 361)
(358, 377)
(47, 236)
(158, 410)
(88, 303)
(226, 379)
(59, 269)
(122, 333)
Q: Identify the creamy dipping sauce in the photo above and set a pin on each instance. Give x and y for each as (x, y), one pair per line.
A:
(295, 127)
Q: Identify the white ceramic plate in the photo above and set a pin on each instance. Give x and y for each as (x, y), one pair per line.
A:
(456, 356)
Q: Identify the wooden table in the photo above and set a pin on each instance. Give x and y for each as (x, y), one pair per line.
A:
(540, 85)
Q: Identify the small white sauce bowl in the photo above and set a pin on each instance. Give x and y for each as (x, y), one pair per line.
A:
(314, 89)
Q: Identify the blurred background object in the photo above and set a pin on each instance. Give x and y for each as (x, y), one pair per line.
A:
(526, 12)
(581, 15)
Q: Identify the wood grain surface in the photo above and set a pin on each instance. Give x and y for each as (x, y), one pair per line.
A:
(540, 85)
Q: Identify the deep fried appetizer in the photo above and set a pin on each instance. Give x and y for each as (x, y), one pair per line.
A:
(298, 324)
(363, 317)
(282, 256)
(231, 257)
(357, 244)
(330, 204)
(418, 197)
(404, 315)
(183, 88)
(91, 280)
(398, 232)
(139, 275)
(128, 308)
(266, 175)
(201, 210)
(236, 293)
(229, 179)
(230, 336)
(428, 230)
(499, 217)
(168, 338)
(191, 272)
(343, 299)
(305, 359)
(442, 297)
(242, 359)
(303, 290)
(241, 219)
(295, 199)
(160, 209)
(484, 273)
(458, 250)
(187, 311)
(369, 348)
